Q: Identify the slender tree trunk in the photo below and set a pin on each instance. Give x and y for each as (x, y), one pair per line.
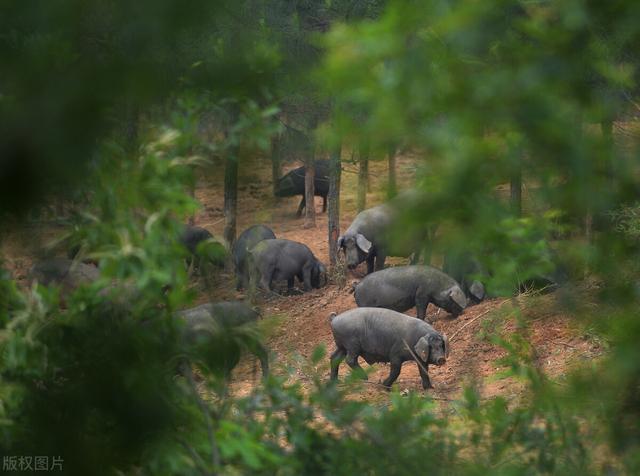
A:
(309, 193)
(516, 187)
(310, 173)
(230, 195)
(335, 172)
(363, 176)
(392, 189)
(276, 160)
(427, 251)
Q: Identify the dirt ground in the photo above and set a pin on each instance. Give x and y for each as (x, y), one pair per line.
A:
(299, 322)
(302, 321)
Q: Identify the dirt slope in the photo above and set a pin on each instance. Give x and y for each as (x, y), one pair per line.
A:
(302, 320)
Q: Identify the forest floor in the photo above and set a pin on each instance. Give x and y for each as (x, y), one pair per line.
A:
(299, 323)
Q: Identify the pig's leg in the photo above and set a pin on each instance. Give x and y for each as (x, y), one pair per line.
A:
(301, 206)
(426, 381)
(242, 278)
(380, 257)
(421, 305)
(266, 279)
(396, 365)
(370, 262)
(290, 283)
(352, 361)
(306, 278)
(336, 358)
(324, 203)
(263, 355)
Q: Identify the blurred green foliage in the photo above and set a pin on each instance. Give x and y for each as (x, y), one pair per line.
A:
(76, 70)
(106, 100)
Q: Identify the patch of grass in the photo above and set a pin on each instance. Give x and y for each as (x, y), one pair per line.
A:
(493, 324)
(338, 273)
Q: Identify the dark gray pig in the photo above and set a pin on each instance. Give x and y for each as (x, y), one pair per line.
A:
(247, 240)
(374, 233)
(292, 184)
(283, 260)
(402, 287)
(193, 236)
(210, 324)
(67, 274)
(365, 239)
(382, 335)
(462, 267)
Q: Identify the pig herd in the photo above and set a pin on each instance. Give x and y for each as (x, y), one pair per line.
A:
(375, 330)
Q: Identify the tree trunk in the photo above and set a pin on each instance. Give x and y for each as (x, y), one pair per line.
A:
(427, 250)
(309, 193)
(392, 189)
(230, 195)
(363, 176)
(335, 171)
(276, 160)
(516, 187)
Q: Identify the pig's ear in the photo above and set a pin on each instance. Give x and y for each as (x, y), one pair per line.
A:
(422, 349)
(477, 290)
(457, 295)
(363, 243)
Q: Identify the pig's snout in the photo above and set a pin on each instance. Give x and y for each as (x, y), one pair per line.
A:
(440, 361)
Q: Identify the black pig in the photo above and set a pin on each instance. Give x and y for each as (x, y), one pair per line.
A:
(463, 267)
(283, 260)
(202, 246)
(292, 184)
(67, 274)
(366, 238)
(402, 287)
(210, 325)
(247, 240)
(381, 231)
(383, 335)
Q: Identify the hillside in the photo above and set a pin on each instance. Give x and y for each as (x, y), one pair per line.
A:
(298, 323)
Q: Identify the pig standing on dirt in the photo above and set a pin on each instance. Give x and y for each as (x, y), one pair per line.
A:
(210, 324)
(373, 234)
(247, 240)
(283, 260)
(462, 267)
(402, 287)
(382, 335)
(194, 237)
(292, 184)
(365, 238)
(65, 273)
